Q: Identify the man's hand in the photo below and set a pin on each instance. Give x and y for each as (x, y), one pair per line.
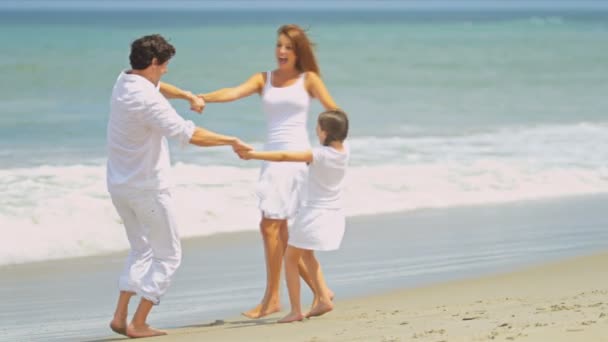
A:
(239, 145)
(197, 103)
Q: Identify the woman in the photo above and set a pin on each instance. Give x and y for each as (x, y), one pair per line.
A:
(286, 93)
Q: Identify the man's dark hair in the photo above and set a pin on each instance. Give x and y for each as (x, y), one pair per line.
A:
(145, 49)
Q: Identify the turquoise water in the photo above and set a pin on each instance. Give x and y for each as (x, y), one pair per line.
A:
(447, 109)
(393, 73)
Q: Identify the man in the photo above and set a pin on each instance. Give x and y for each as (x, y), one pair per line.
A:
(141, 119)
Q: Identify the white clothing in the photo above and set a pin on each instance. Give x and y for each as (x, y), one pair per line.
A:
(326, 177)
(151, 229)
(279, 186)
(320, 223)
(286, 110)
(319, 229)
(138, 180)
(140, 119)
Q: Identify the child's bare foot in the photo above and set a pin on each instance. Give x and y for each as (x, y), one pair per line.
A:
(320, 309)
(262, 310)
(119, 326)
(291, 317)
(315, 300)
(143, 331)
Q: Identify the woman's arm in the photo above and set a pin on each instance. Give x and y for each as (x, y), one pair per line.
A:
(254, 84)
(172, 92)
(278, 156)
(316, 88)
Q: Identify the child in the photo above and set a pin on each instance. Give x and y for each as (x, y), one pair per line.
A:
(319, 223)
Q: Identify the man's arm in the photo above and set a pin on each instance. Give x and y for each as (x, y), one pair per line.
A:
(204, 137)
(170, 91)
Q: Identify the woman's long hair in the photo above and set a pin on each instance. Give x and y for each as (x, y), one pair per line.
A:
(303, 47)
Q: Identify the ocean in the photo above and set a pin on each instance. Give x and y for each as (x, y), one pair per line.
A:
(448, 108)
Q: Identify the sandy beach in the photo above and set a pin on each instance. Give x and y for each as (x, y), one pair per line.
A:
(561, 301)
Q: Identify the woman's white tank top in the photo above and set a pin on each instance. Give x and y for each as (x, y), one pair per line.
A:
(286, 110)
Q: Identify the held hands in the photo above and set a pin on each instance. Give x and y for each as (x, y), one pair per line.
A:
(197, 103)
(243, 150)
(245, 154)
(239, 147)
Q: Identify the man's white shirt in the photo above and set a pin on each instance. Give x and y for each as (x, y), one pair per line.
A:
(141, 119)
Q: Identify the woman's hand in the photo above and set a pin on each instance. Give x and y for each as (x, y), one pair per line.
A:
(197, 103)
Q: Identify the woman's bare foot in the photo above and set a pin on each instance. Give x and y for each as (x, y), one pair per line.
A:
(320, 309)
(291, 317)
(262, 310)
(143, 331)
(119, 326)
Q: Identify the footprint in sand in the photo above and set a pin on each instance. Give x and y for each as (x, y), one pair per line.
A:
(511, 338)
(429, 332)
(559, 307)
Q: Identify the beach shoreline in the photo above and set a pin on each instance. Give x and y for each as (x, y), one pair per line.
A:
(396, 254)
(558, 301)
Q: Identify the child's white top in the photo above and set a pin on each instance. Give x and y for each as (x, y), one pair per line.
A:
(326, 177)
(286, 110)
(140, 119)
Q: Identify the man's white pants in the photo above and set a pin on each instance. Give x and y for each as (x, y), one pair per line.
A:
(155, 254)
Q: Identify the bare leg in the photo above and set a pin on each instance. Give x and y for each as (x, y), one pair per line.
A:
(119, 323)
(138, 326)
(323, 304)
(292, 274)
(315, 291)
(302, 267)
(274, 248)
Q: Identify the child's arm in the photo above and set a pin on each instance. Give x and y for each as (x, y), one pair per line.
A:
(278, 156)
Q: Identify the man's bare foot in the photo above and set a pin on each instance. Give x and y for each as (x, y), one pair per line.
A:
(262, 310)
(320, 309)
(291, 317)
(143, 331)
(119, 326)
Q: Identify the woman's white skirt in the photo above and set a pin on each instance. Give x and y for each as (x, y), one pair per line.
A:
(280, 189)
(318, 229)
